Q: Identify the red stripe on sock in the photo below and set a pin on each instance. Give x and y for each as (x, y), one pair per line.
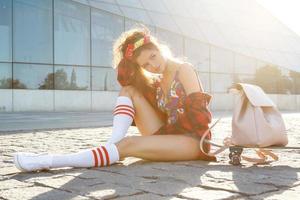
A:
(124, 109)
(123, 105)
(106, 154)
(125, 113)
(101, 157)
(95, 158)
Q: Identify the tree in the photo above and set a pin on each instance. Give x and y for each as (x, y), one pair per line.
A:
(48, 82)
(61, 81)
(295, 76)
(271, 80)
(6, 83)
(18, 85)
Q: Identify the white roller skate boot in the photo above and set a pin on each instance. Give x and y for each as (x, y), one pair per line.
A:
(28, 162)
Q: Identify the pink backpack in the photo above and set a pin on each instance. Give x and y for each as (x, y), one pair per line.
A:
(256, 121)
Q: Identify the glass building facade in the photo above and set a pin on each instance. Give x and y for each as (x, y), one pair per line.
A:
(67, 44)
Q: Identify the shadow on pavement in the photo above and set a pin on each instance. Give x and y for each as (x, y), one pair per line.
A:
(164, 180)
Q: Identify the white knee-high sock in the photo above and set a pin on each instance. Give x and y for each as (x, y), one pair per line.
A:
(96, 157)
(123, 117)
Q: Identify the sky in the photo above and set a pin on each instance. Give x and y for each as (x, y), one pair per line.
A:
(287, 11)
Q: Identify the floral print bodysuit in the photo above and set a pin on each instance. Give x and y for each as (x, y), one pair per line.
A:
(171, 103)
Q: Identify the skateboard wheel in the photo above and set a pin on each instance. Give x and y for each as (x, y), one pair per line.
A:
(235, 160)
(235, 155)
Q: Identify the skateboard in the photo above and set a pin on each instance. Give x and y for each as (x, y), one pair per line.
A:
(235, 151)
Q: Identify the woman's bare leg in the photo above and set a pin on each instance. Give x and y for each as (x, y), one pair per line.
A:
(146, 118)
(160, 147)
(154, 147)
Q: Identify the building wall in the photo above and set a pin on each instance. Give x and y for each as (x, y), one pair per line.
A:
(57, 55)
(53, 100)
(56, 100)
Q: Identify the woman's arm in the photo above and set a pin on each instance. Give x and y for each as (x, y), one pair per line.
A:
(189, 79)
(196, 115)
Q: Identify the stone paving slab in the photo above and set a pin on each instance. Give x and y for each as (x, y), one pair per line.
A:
(134, 178)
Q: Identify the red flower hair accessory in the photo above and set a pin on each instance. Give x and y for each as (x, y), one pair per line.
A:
(129, 51)
(132, 47)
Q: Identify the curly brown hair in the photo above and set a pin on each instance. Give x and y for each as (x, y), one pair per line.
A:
(139, 79)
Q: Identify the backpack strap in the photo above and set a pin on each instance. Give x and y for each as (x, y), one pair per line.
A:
(269, 153)
(202, 140)
(262, 154)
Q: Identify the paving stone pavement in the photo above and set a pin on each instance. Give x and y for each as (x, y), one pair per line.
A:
(134, 178)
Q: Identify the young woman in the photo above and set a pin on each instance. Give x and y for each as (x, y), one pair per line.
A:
(160, 95)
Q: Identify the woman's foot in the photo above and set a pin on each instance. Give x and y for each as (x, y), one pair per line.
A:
(101, 156)
(28, 162)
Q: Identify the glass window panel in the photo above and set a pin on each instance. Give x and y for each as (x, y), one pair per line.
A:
(204, 78)
(136, 14)
(130, 3)
(278, 58)
(72, 33)
(164, 21)
(72, 78)
(244, 64)
(32, 76)
(99, 77)
(232, 34)
(294, 43)
(252, 38)
(33, 31)
(189, 28)
(176, 7)
(155, 5)
(244, 78)
(174, 41)
(133, 24)
(86, 2)
(221, 60)
(221, 82)
(5, 30)
(293, 59)
(113, 8)
(196, 9)
(242, 50)
(104, 79)
(260, 54)
(219, 12)
(105, 29)
(212, 33)
(5, 76)
(105, 1)
(129, 24)
(198, 54)
(111, 81)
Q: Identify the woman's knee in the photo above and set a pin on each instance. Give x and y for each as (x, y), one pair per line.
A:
(129, 91)
(125, 142)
